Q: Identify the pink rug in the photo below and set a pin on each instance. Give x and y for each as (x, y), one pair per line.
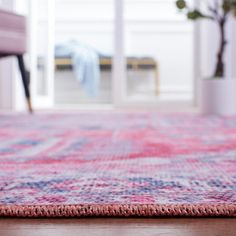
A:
(119, 164)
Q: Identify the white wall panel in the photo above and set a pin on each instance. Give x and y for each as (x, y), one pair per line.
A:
(155, 25)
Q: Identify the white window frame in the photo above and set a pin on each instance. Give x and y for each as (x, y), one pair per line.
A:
(47, 100)
(119, 67)
(119, 73)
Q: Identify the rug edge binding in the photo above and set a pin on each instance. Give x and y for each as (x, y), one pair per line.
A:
(118, 210)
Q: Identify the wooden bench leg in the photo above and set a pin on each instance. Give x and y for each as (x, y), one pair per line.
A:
(157, 80)
(25, 81)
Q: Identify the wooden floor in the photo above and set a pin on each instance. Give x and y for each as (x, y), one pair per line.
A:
(118, 227)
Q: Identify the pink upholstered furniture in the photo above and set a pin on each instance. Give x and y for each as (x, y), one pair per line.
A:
(13, 43)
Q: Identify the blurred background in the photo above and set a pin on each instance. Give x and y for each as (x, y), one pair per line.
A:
(111, 53)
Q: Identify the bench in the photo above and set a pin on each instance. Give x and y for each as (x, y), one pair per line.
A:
(133, 63)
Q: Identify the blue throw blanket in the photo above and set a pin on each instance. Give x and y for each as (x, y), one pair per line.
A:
(85, 64)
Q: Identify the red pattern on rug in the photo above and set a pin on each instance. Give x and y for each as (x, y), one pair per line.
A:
(117, 164)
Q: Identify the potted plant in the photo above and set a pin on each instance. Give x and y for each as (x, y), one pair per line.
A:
(218, 93)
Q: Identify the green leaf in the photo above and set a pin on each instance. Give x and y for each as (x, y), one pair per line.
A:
(195, 14)
(181, 4)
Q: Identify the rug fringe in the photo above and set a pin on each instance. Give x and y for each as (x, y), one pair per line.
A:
(106, 210)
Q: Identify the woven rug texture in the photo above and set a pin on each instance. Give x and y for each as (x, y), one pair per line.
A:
(117, 164)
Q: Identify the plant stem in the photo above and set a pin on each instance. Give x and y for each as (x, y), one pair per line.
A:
(220, 67)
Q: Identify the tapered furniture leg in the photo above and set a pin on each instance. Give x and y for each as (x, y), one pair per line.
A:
(157, 79)
(25, 81)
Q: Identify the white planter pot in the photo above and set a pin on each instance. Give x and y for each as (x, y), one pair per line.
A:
(218, 96)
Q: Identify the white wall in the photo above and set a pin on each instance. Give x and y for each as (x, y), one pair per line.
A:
(234, 50)
(232, 47)
(168, 34)
(153, 28)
